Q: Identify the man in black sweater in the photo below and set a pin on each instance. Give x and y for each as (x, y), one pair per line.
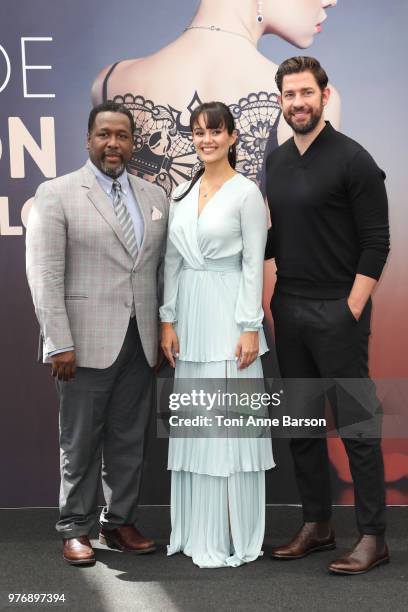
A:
(330, 240)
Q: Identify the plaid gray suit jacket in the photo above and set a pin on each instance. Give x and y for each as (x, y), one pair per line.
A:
(82, 277)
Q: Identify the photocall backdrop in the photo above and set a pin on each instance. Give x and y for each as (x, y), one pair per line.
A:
(50, 55)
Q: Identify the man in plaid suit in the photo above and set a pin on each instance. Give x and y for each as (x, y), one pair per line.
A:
(95, 240)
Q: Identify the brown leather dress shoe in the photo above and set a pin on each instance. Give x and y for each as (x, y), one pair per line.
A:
(78, 551)
(312, 537)
(126, 538)
(370, 551)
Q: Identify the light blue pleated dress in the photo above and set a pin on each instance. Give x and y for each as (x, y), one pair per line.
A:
(212, 293)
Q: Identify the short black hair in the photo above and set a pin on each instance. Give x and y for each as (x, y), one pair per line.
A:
(302, 63)
(113, 107)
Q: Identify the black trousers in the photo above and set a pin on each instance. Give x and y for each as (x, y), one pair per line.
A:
(318, 339)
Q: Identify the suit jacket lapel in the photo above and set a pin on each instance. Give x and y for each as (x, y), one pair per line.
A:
(102, 203)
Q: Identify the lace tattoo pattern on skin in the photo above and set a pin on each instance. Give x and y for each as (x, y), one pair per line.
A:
(164, 152)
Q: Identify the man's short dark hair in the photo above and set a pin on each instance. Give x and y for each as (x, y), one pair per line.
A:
(113, 107)
(302, 63)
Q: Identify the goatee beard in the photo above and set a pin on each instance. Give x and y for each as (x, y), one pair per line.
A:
(113, 172)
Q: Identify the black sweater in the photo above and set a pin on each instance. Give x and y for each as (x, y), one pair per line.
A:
(329, 215)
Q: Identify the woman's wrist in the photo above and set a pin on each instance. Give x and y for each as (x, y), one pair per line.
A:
(167, 324)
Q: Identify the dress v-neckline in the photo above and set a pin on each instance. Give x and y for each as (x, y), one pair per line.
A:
(198, 212)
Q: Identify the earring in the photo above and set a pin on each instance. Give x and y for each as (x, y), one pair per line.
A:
(230, 149)
(259, 16)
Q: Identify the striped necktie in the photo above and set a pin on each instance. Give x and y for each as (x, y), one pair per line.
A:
(124, 218)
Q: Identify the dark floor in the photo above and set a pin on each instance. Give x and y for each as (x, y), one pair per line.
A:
(31, 562)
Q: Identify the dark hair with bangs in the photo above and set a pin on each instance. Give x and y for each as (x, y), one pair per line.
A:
(216, 114)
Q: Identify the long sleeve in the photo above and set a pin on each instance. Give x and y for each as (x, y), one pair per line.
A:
(45, 267)
(270, 241)
(370, 209)
(160, 268)
(249, 313)
(270, 245)
(173, 262)
(62, 350)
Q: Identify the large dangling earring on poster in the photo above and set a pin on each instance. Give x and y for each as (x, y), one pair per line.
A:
(259, 15)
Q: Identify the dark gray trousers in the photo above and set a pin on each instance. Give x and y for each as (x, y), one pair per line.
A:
(103, 418)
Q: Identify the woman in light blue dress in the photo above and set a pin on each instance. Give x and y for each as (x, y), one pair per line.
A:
(212, 329)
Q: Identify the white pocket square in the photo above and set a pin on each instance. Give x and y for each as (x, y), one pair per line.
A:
(156, 214)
